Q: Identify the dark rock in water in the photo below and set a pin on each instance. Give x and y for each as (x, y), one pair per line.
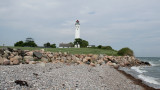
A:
(37, 54)
(147, 63)
(21, 83)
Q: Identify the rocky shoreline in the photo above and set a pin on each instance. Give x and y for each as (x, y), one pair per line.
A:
(40, 70)
(9, 56)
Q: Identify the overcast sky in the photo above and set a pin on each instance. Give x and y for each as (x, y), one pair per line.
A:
(118, 23)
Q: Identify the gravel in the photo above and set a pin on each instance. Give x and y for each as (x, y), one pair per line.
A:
(63, 77)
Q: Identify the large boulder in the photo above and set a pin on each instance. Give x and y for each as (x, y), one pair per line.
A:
(37, 54)
(30, 58)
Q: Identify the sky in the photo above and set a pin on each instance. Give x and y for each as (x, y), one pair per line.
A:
(117, 23)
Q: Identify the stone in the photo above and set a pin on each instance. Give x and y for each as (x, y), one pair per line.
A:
(50, 55)
(92, 64)
(30, 58)
(94, 57)
(6, 61)
(16, 58)
(65, 53)
(42, 50)
(37, 54)
(10, 49)
(1, 51)
(147, 63)
(32, 62)
(1, 60)
(15, 62)
(44, 60)
(30, 53)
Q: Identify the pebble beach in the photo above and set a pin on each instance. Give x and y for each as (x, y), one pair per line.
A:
(60, 76)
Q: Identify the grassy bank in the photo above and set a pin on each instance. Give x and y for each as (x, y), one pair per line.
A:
(73, 50)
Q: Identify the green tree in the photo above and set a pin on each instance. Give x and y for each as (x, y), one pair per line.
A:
(84, 43)
(125, 51)
(53, 45)
(99, 46)
(30, 44)
(47, 44)
(20, 44)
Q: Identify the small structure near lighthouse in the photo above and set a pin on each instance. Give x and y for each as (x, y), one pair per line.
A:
(77, 33)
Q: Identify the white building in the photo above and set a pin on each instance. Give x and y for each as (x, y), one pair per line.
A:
(77, 32)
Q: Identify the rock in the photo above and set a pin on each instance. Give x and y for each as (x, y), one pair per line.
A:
(6, 61)
(1, 51)
(21, 52)
(30, 58)
(10, 49)
(44, 60)
(50, 55)
(37, 54)
(30, 53)
(65, 53)
(147, 63)
(16, 58)
(42, 50)
(15, 62)
(1, 60)
(92, 64)
(94, 57)
(32, 62)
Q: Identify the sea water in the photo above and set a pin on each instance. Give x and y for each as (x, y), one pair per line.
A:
(150, 75)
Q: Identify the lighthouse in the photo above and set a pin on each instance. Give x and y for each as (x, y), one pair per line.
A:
(77, 31)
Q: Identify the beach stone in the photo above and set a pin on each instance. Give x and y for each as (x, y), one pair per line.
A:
(37, 54)
(30, 53)
(6, 61)
(42, 50)
(95, 57)
(50, 55)
(1, 51)
(44, 60)
(1, 60)
(16, 62)
(32, 62)
(30, 58)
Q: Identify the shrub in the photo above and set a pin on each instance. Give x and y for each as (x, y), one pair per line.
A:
(125, 51)
(20, 44)
(100, 46)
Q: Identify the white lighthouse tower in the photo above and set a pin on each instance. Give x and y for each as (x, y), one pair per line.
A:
(77, 32)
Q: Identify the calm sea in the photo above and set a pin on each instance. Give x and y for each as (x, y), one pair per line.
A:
(150, 75)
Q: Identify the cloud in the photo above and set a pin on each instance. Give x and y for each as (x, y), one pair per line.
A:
(133, 24)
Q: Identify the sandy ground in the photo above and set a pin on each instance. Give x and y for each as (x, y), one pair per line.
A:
(64, 77)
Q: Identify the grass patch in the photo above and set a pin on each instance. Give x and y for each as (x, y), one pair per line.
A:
(73, 50)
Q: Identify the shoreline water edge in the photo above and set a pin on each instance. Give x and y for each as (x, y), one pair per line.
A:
(9, 56)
